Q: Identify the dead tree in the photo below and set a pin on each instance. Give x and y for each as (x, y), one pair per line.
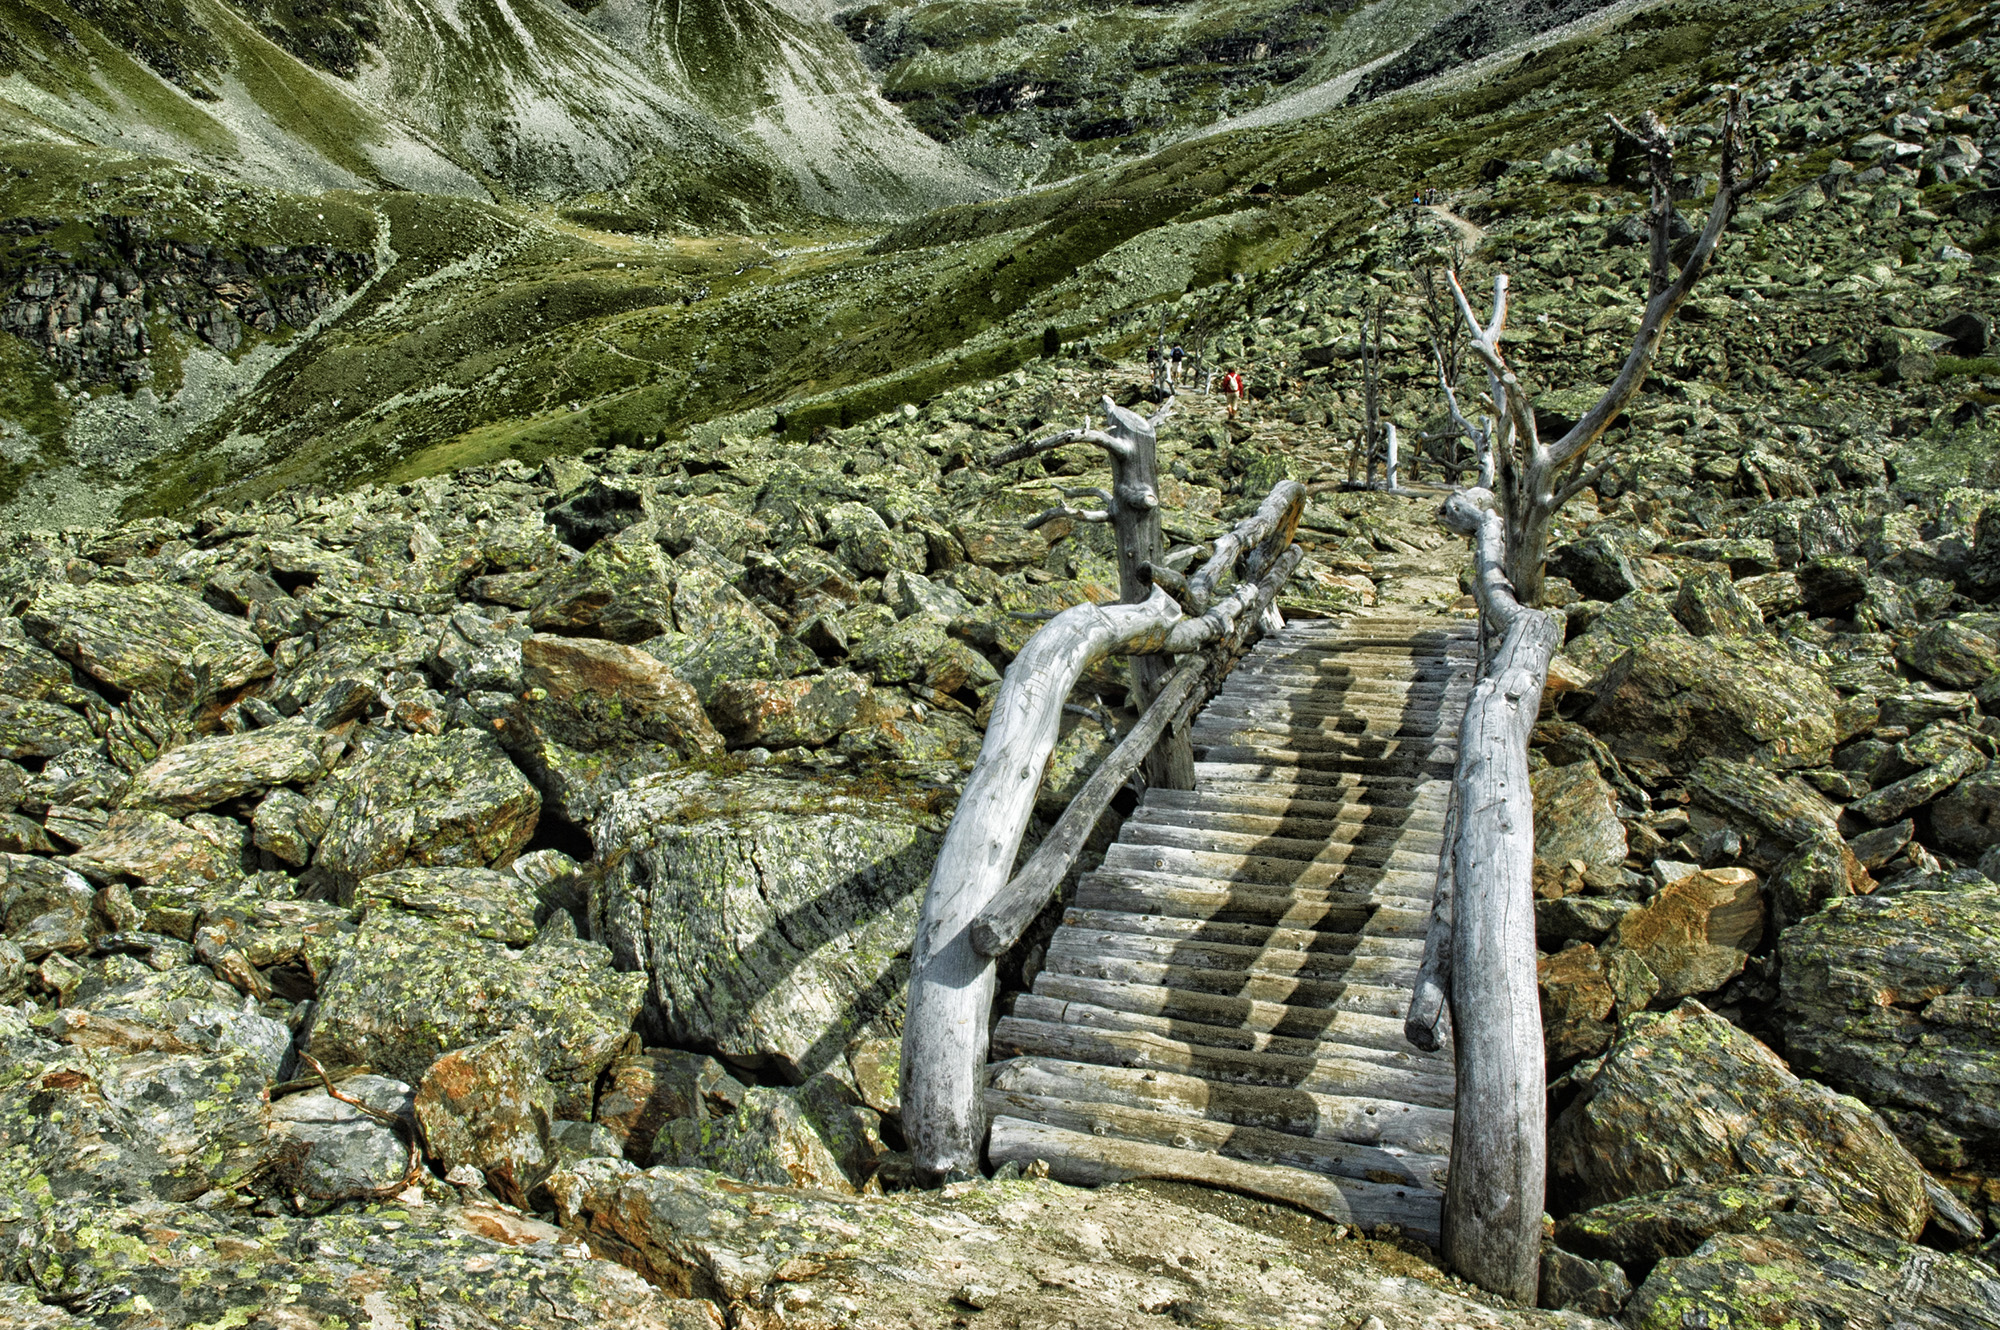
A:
(1536, 479)
(1479, 956)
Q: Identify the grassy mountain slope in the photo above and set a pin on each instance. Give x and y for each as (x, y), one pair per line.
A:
(496, 331)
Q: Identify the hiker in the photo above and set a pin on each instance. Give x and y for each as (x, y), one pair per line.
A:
(1153, 360)
(1174, 359)
(1232, 388)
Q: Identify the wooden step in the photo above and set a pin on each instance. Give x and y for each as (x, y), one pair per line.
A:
(1361, 823)
(1334, 1159)
(1393, 889)
(1388, 1123)
(1392, 847)
(1063, 1011)
(1265, 937)
(1247, 1016)
(1143, 1051)
(1338, 715)
(1382, 971)
(1236, 903)
(1327, 994)
(1426, 804)
(1359, 737)
(1411, 874)
(1094, 1161)
(1432, 761)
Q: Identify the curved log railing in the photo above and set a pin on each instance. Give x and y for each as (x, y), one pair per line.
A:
(976, 906)
(1480, 952)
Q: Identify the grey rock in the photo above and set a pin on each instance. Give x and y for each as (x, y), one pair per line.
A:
(148, 637)
(1571, 1283)
(1709, 604)
(1640, 1231)
(499, 907)
(1680, 699)
(329, 1150)
(1887, 999)
(621, 589)
(1684, 1096)
(1967, 819)
(404, 990)
(824, 884)
(453, 799)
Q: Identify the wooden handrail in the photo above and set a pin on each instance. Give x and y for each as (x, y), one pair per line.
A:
(974, 906)
(1480, 952)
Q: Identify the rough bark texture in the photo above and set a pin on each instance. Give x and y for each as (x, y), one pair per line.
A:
(1493, 1207)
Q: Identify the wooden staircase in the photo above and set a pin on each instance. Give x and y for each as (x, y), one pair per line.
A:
(1224, 1001)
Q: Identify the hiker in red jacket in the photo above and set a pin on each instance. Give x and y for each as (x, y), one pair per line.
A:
(1232, 388)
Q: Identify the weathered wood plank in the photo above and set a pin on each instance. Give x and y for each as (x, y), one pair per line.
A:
(1363, 968)
(1225, 902)
(1364, 1121)
(1365, 844)
(1383, 892)
(1411, 873)
(1354, 1028)
(1323, 994)
(1252, 1145)
(1013, 1036)
(1093, 1161)
(1263, 937)
(1062, 1011)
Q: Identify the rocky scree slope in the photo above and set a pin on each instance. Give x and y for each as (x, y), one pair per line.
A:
(386, 870)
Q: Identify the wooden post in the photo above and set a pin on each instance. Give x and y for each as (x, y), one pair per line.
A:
(1493, 1205)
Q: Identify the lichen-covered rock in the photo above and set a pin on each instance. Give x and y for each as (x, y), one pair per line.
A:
(1959, 652)
(1602, 564)
(773, 916)
(1891, 999)
(721, 635)
(452, 799)
(641, 1091)
(1944, 769)
(406, 990)
(33, 673)
(1576, 817)
(497, 906)
(1967, 818)
(156, 848)
(40, 729)
(1679, 699)
(904, 652)
(329, 1150)
(478, 1268)
(789, 712)
(1782, 807)
(155, 1117)
(205, 772)
(488, 1106)
(1816, 1270)
(621, 589)
(148, 637)
(596, 693)
(1698, 932)
(1684, 1096)
(1641, 1230)
(1627, 623)
(1576, 1004)
(1029, 1253)
(768, 1139)
(1709, 604)
(1000, 544)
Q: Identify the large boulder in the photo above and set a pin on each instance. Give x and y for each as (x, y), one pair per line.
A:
(721, 635)
(468, 1267)
(1816, 1270)
(589, 694)
(1684, 1096)
(773, 916)
(621, 589)
(767, 1139)
(1790, 813)
(1629, 622)
(1698, 932)
(488, 1106)
(1576, 817)
(1890, 999)
(405, 990)
(205, 772)
(1576, 1004)
(1709, 605)
(1679, 699)
(1967, 819)
(40, 729)
(451, 799)
(148, 637)
(1640, 1231)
